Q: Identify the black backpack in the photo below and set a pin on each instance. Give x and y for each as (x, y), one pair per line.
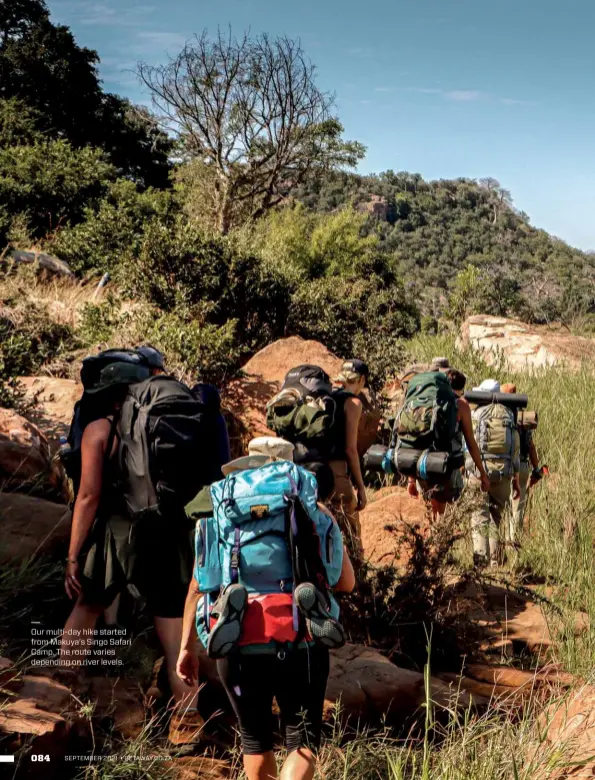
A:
(89, 407)
(167, 447)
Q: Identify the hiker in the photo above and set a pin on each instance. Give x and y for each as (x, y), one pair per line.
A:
(263, 651)
(498, 440)
(441, 494)
(353, 378)
(529, 472)
(323, 425)
(125, 535)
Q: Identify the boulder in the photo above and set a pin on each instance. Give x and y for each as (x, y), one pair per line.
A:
(30, 525)
(262, 376)
(385, 519)
(54, 402)
(26, 463)
(569, 724)
(366, 686)
(121, 701)
(524, 346)
(47, 263)
(38, 720)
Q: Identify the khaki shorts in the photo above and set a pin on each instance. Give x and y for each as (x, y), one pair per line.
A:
(445, 494)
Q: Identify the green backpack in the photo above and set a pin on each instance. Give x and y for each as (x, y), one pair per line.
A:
(305, 411)
(494, 428)
(428, 417)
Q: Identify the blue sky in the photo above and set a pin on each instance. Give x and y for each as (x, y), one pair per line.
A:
(444, 88)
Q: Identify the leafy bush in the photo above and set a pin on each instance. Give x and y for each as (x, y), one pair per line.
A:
(363, 317)
(113, 230)
(180, 268)
(51, 182)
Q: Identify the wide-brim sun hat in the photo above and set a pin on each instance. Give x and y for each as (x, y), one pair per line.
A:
(262, 450)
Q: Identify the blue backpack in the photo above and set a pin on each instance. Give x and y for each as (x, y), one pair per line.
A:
(264, 526)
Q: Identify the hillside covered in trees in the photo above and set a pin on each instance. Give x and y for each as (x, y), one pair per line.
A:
(230, 217)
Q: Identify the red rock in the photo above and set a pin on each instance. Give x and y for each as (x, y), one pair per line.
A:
(9, 676)
(397, 509)
(367, 686)
(569, 723)
(26, 463)
(30, 526)
(121, 700)
(247, 396)
(197, 768)
(54, 403)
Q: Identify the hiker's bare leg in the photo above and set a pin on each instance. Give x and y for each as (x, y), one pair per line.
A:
(299, 765)
(438, 508)
(110, 615)
(261, 767)
(169, 633)
(83, 616)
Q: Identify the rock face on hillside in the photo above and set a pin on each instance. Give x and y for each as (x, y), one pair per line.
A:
(246, 397)
(47, 263)
(26, 462)
(29, 526)
(384, 520)
(524, 346)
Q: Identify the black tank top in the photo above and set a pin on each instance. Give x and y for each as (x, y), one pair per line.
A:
(340, 425)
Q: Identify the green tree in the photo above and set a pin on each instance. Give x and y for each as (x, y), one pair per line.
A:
(250, 113)
(42, 66)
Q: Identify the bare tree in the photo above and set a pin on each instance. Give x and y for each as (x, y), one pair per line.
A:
(501, 199)
(250, 114)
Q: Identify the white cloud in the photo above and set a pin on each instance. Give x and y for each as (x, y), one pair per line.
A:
(98, 14)
(464, 95)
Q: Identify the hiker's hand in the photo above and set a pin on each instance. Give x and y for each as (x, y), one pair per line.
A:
(412, 488)
(362, 498)
(516, 488)
(485, 483)
(187, 667)
(72, 582)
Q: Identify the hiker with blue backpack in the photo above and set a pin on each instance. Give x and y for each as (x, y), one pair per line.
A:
(268, 553)
(129, 528)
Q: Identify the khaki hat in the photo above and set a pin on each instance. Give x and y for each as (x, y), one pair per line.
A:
(352, 370)
(440, 363)
(262, 450)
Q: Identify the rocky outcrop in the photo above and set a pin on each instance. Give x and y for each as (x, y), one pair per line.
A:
(54, 403)
(38, 718)
(384, 522)
(26, 463)
(262, 376)
(569, 723)
(366, 686)
(49, 264)
(30, 526)
(524, 346)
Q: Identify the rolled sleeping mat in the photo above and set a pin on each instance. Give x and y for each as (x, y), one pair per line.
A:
(528, 420)
(433, 466)
(514, 400)
(374, 457)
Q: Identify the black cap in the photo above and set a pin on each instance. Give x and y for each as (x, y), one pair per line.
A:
(152, 357)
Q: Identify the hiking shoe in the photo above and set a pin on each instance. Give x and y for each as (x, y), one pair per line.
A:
(185, 728)
(230, 607)
(323, 628)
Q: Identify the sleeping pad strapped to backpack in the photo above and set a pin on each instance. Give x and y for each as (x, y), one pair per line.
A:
(304, 412)
(427, 421)
(268, 534)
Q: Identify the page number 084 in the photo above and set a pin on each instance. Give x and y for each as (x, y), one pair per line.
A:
(39, 757)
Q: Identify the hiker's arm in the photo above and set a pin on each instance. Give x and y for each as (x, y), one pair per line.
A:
(467, 429)
(353, 413)
(346, 581)
(187, 666)
(93, 448)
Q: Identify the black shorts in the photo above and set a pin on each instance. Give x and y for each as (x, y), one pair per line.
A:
(297, 682)
(152, 559)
